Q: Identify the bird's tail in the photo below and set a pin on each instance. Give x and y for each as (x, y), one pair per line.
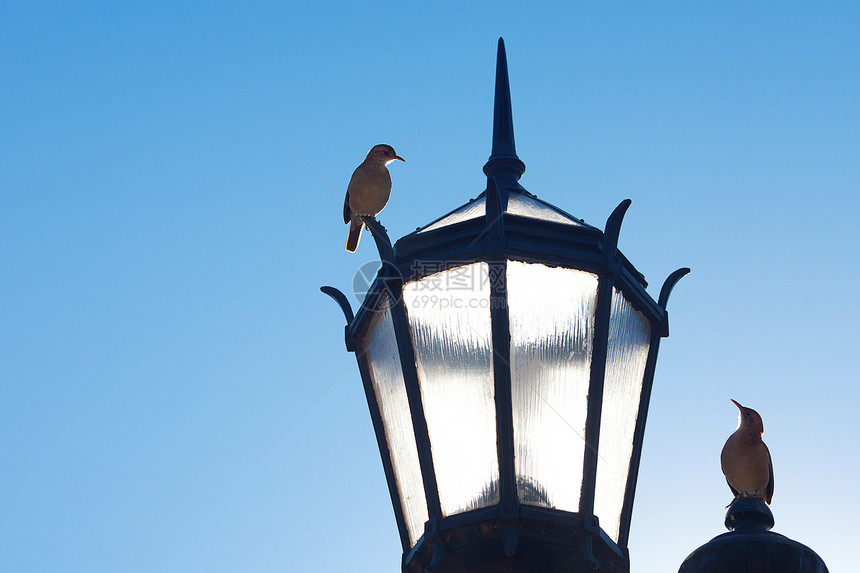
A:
(354, 235)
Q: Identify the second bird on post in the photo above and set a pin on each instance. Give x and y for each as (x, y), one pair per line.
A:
(746, 460)
(368, 190)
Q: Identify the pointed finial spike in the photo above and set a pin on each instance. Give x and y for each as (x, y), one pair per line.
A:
(503, 161)
(503, 121)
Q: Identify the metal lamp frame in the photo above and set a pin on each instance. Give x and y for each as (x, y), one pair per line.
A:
(531, 538)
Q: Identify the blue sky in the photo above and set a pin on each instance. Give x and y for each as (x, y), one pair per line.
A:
(162, 249)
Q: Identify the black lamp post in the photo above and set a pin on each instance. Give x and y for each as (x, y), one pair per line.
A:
(507, 351)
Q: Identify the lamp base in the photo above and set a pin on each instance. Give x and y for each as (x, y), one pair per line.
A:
(539, 540)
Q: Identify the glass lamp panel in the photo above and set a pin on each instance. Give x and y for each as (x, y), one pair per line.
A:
(470, 210)
(552, 331)
(523, 205)
(449, 318)
(629, 339)
(380, 349)
(518, 204)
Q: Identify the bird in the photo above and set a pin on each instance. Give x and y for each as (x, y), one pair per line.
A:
(745, 459)
(368, 190)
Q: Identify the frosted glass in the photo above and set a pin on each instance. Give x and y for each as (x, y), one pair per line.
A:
(449, 316)
(523, 205)
(380, 347)
(469, 211)
(552, 331)
(629, 338)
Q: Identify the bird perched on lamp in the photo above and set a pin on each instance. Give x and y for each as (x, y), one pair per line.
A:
(746, 460)
(368, 190)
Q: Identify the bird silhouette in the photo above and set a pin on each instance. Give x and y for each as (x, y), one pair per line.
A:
(368, 190)
(745, 459)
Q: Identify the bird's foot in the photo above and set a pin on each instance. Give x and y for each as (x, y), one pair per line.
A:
(367, 218)
(745, 495)
(737, 497)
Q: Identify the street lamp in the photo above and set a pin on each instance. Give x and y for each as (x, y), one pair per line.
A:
(507, 351)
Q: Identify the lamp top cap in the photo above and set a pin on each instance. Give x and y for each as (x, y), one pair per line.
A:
(749, 513)
(750, 545)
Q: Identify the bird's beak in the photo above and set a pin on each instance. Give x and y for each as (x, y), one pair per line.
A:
(741, 408)
(400, 158)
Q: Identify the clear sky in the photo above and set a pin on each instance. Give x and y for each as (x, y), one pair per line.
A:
(175, 395)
